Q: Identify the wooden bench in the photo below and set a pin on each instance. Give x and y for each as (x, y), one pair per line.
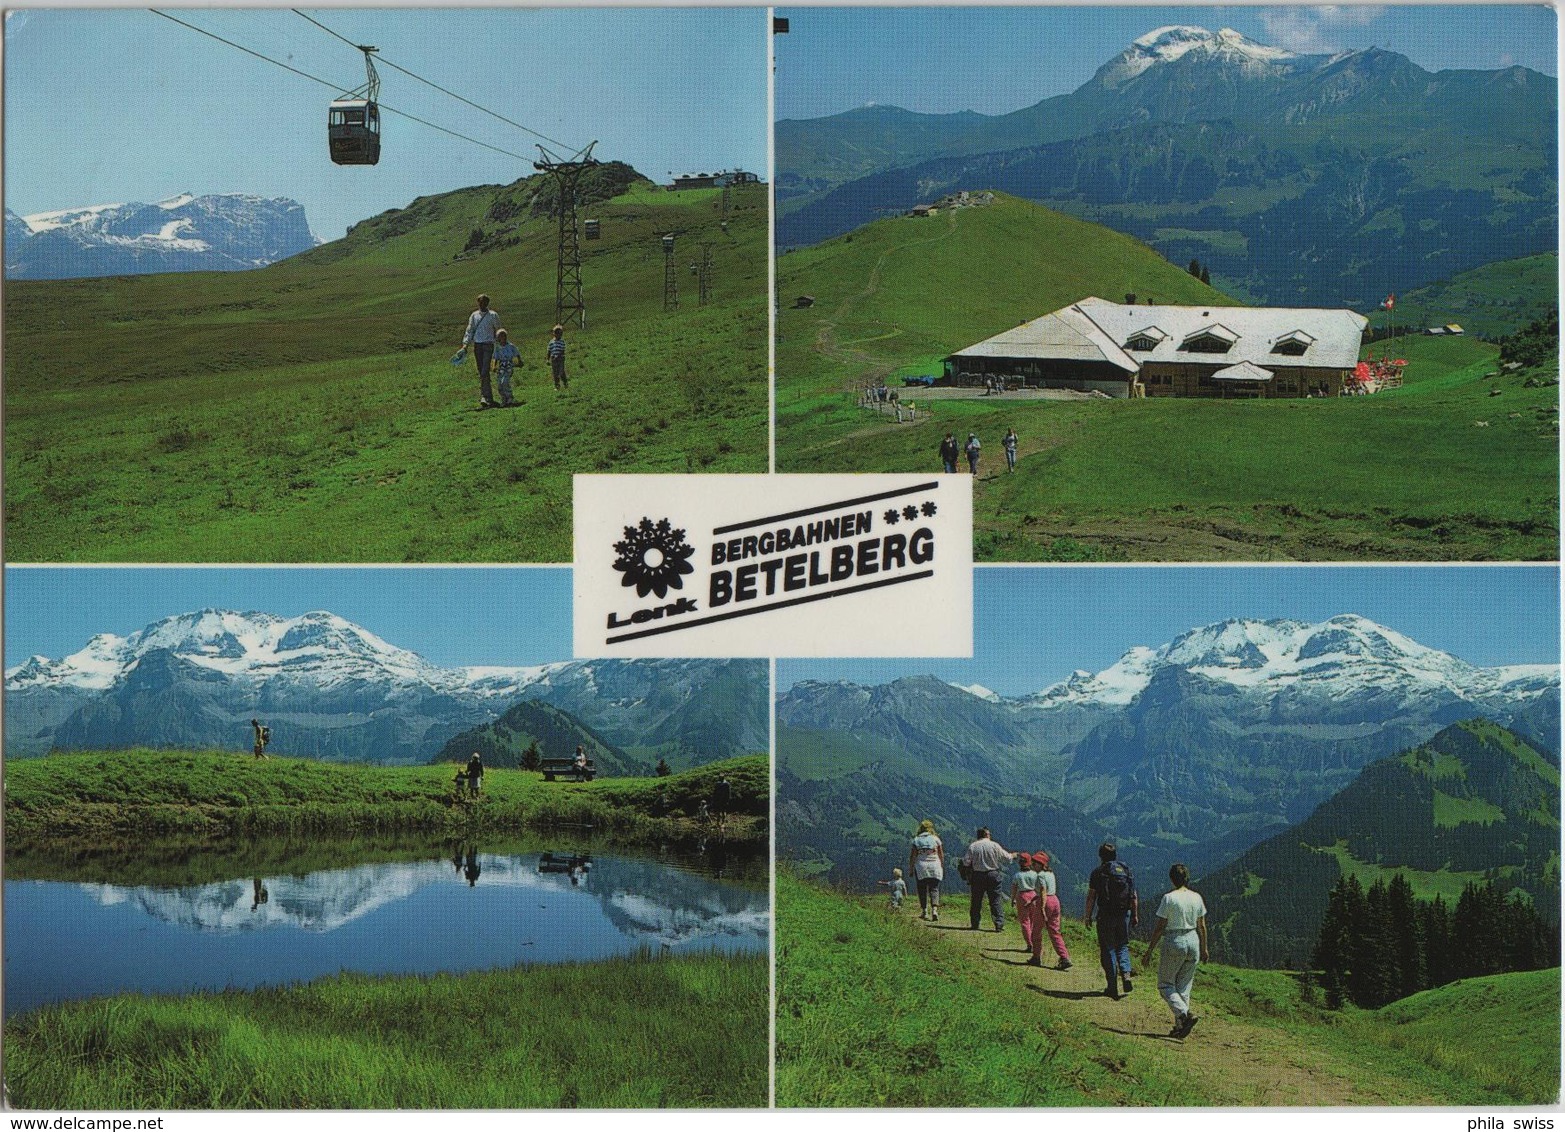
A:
(567, 768)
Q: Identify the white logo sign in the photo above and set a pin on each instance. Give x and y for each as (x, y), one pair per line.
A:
(849, 565)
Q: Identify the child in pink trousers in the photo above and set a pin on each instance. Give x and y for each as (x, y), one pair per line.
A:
(1029, 907)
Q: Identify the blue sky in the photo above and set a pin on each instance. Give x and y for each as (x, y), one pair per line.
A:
(995, 60)
(1032, 626)
(455, 616)
(114, 105)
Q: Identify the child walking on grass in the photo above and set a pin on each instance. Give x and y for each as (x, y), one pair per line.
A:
(507, 357)
(898, 888)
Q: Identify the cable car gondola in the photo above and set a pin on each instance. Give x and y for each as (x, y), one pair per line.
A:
(353, 121)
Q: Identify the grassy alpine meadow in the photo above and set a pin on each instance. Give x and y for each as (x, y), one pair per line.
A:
(307, 411)
(875, 1008)
(640, 1032)
(1460, 463)
(117, 797)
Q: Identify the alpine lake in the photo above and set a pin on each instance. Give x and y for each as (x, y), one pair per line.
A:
(176, 919)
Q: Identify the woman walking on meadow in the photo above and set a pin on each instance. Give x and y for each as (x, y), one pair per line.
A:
(1049, 910)
(926, 864)
(1181, 925)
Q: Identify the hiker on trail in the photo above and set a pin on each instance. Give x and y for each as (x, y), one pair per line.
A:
(1029, 907)
(506, 358)
(475, 775)
(985, 861)
(1049, 898)
(1009, 444)
(950, 452)
(1181, 925)
(972, 448)
(926, 862)
(898, 888)
(263, 736)
(482, 327)
(1111, 889)
(557, 357)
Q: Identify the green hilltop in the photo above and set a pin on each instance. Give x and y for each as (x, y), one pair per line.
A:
(1460, 463)
(875, 1008)
(1493, 300)
(1475, 803)
(557, 733)
(305, 411)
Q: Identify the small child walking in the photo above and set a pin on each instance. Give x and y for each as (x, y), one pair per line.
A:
(898, 887)
(557, 358)
(506, 357)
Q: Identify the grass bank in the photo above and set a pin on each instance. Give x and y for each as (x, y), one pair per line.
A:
(305, 412)
(121, 796)
(625, 1033)
(877, 1008)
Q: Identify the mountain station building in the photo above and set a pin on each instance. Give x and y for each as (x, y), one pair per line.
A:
(1136, 350)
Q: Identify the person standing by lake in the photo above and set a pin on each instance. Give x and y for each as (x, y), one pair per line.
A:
(926, 865)
(482, 326)
(475, 775)
(263, 736)
(1111, 889)
(1181, 926)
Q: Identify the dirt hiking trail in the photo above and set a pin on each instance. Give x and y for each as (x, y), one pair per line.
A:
(1236, 1062)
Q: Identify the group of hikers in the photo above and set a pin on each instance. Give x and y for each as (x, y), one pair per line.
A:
(471, 776)
(880, 396)
(492, 347)
(1178, 939)
(951, 452)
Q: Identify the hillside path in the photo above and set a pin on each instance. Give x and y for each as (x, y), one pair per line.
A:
(1238, 1062)
(825, 338)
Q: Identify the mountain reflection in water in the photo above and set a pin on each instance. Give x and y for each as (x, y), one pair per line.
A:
(467, 911)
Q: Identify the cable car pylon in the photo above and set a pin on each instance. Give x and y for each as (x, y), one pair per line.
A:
(569, 304)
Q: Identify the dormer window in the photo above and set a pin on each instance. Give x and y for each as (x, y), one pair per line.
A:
(1145, 340)
(1214, 339)
(1294, 344)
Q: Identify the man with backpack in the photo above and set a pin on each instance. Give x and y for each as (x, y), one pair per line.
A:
(1111, 890)
(263, 736)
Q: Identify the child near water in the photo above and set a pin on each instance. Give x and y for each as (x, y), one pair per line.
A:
(898, 887)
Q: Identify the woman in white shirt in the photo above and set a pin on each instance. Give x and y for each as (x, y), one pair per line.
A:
(926, 864)
(1181, 925)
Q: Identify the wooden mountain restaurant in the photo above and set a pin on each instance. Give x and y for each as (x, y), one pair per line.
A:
(1131, 350)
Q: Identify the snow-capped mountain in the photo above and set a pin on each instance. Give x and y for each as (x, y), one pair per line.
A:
(1200, 746)
(228, 232)
(1343, 657)
(1171, 44)
(333, 689)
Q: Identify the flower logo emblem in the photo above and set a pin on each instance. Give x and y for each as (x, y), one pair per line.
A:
(653, 556)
